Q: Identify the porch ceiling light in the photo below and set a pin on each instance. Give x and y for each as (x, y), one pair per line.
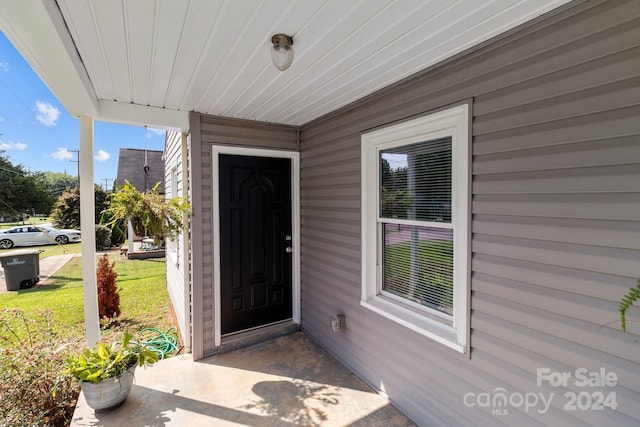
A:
(281, 51)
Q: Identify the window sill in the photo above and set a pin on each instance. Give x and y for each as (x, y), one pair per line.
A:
(421, 323)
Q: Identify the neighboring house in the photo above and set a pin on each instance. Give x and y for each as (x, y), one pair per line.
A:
(142, 168)
(476, 223)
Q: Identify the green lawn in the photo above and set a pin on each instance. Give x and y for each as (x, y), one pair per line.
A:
(50, 250)
(142, 287)
(33, 220)
(32, 358)
(434, 286)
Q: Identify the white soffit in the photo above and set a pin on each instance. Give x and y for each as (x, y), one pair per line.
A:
(212, 56)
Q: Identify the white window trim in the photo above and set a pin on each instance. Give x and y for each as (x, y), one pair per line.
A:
(453, 331)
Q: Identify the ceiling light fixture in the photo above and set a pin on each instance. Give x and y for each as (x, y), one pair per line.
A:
(281, 51)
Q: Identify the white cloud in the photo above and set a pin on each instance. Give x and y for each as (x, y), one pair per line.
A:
(12, 145)
(102, 156)
(62, 154)
(47, 114)
(4, 66)
(1, 119)
(151, 132)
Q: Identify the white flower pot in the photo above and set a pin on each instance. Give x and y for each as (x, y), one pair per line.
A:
(108, 394)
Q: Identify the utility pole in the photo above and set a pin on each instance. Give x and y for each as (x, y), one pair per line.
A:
(77, 160)
(106, 183)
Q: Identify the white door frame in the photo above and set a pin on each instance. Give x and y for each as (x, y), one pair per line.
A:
(216, 150)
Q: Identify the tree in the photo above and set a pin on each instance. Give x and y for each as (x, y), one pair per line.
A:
(40, 195)
(66, 211)
(396, 198)
(22, 191)
(58, 183)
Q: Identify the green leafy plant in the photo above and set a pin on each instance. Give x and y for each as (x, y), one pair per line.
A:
(103, 237)
(150, 213)
(117, 234)
(109, 361)
(626, 302)
(66, 210)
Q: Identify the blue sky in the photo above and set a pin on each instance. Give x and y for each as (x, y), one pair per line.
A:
(38, 133)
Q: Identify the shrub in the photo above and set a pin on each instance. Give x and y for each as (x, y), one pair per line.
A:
(103, 237)
(108, 296)
(33, 390)
(117, 234)
(66, 210)
(149, 212)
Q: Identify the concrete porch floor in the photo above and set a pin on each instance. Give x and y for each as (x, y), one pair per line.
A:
(287, 381)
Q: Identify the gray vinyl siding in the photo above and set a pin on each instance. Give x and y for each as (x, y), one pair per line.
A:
(174, 247)
(555, 221)
(220, 131)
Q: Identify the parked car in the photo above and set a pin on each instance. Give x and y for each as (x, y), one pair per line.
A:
(30, 235)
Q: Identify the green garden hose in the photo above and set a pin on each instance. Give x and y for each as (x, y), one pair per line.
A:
(163, 343)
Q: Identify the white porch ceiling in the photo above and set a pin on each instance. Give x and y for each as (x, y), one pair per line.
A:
(152, 61)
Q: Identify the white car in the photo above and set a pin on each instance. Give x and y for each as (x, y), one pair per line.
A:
(30, 235)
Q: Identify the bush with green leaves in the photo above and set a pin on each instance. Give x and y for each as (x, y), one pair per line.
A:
(117, 228)
(103, 237)
(150, 213)
(66, 210)
(33, 390)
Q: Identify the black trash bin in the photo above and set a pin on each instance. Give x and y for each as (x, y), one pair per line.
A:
(21, 268)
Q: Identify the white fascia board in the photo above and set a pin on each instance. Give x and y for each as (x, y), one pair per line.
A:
(37, 29)
(142, 115)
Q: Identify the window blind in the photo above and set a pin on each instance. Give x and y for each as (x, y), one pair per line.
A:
(415, 185)
(416, 181)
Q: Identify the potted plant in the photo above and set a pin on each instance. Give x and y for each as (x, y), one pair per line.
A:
(106, 371)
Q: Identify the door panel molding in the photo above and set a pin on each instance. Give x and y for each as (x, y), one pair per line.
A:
(216, 151)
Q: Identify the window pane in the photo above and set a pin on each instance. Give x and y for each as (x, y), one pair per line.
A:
(418, 265)
(416, 181)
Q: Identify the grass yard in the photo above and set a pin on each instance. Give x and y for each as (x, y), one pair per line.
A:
(32, 220)
(434, 273)
(50, 250)
(141, 284)
(33, 346)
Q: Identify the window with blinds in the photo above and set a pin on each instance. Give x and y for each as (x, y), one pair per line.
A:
(415, 219)
(415, 189)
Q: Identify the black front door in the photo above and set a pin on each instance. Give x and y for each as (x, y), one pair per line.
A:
(255, 234)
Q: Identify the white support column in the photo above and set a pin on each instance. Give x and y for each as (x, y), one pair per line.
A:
(87, 224)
